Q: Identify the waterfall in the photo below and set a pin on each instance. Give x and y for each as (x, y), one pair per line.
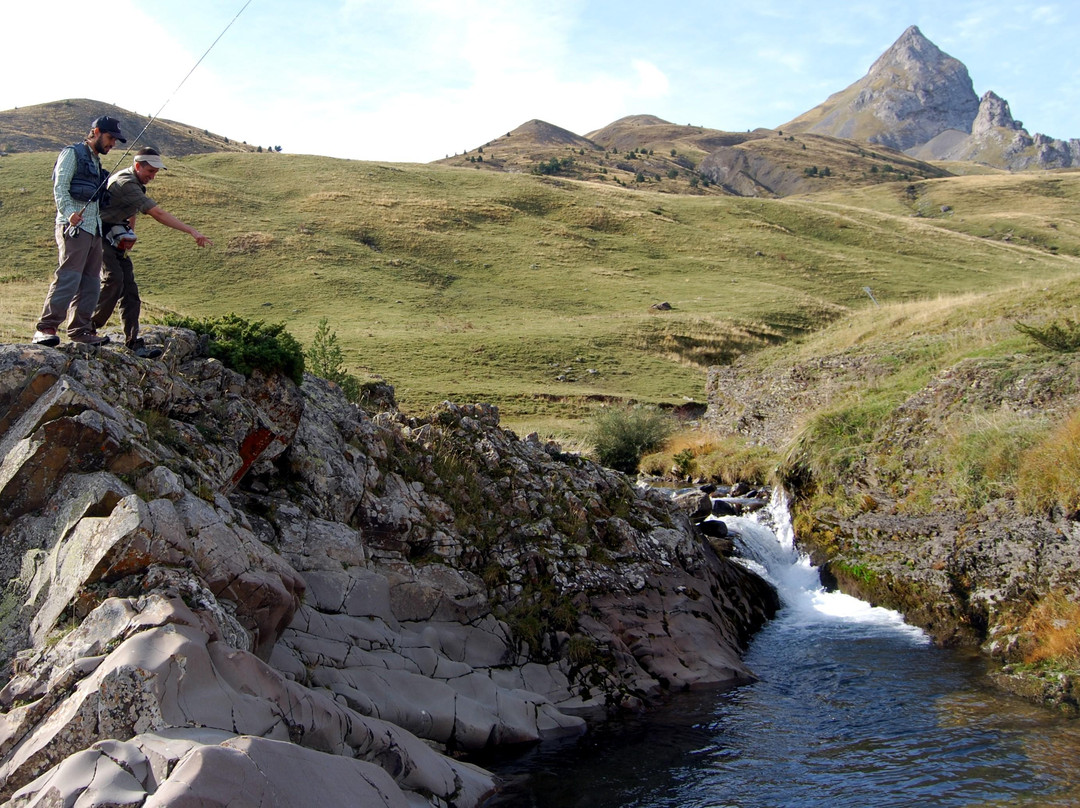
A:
(765, 543)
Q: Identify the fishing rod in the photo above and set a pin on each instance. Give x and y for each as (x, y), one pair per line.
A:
(73, 230)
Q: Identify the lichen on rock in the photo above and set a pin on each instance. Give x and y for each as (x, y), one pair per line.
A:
(214, 579)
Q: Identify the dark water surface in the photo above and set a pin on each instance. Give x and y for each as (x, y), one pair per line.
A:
(854, 708)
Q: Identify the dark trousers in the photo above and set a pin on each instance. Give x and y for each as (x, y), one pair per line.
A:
(118, 287)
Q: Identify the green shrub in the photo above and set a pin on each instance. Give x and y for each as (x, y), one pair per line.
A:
(856, 570)
(554, 166)
(1063, 336)
(325, 359)
(245, 346)
(582, 650)
(684, 461)
(621, 436)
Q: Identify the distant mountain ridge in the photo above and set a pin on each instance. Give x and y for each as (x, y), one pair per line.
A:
(997, 139)
(51, 126)
(648, 152)
(916, 105)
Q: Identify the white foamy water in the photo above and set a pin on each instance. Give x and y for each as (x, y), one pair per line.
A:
(766, 542)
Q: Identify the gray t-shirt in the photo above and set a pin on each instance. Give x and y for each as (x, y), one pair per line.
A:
(127, 196)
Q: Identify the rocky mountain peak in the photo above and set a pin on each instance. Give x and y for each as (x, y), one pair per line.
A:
(912, 52)
(911, 94)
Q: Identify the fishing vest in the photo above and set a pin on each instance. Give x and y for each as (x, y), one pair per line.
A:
(89, 183)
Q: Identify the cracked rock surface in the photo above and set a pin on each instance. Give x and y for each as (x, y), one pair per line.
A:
(222, 588)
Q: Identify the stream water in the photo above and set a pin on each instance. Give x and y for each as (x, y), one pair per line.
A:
(853, 708)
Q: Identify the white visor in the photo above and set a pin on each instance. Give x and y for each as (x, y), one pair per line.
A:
(151, 160)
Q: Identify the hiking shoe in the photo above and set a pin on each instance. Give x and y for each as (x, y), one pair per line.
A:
(89, 338)
(46, 337)
(147, 352)
(143, 351)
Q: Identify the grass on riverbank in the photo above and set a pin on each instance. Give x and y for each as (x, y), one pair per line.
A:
(969, 409)
(726, 459)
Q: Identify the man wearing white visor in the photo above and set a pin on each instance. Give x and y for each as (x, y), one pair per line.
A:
(127, 199)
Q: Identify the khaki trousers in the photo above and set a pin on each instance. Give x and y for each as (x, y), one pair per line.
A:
(75, 285)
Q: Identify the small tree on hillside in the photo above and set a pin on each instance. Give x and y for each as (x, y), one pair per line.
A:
(325, 359)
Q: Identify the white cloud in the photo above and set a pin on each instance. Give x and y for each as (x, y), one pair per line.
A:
(1047, 15)
(977, 26)
(498, 66)
(652, 81)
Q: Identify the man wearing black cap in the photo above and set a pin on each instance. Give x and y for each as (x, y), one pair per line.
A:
(79, 185)
(127, 199)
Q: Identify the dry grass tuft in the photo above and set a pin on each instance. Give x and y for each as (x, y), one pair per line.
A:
(726, 460)
(249, 243)
(1053, 631)
(1049, 472)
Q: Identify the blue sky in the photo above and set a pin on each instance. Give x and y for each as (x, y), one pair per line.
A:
(415, 80)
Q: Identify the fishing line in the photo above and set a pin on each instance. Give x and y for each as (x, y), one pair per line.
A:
(73, 229)
(154, 117)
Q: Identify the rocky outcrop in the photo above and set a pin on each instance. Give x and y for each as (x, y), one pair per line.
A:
(783, 165)
(998, 140)
(743, 173)
(766, 408)
(219, 585)
(912, 93)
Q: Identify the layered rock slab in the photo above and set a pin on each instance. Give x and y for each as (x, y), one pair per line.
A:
(251, 570)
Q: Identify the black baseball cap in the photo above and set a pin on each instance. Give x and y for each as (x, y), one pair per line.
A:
(109, 125)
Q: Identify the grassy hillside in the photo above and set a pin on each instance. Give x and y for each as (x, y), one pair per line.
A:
(640, 152)
(535, 292)
(784, 165)
(646, 153)
(51, 126)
